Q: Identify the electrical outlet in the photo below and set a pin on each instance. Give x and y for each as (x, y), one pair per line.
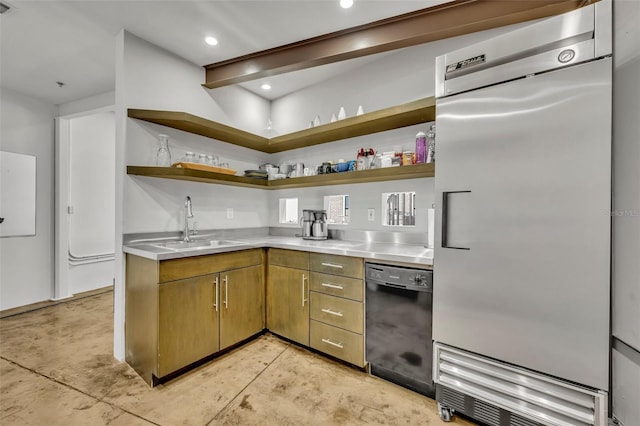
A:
(371, 215)
(230, 213)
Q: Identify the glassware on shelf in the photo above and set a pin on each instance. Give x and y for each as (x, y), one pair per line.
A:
(189, 157)
(431, 144)
(212, 160)
(421, 148)
(163, 156)
(202, 159)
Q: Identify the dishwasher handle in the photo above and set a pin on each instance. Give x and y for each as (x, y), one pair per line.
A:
(411, 287)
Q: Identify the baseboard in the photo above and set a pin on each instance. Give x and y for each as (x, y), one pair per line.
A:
(47, 303)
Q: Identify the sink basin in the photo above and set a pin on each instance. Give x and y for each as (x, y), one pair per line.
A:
(192, 245)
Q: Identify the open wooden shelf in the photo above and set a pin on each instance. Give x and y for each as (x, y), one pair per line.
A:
(201, 126)
(395, 117)
(416, 112)
(193, 175)
(362, 176)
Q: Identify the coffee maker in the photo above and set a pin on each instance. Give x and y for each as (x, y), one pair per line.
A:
(314, 225)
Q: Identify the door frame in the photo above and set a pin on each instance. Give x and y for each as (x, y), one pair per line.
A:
(62, 286)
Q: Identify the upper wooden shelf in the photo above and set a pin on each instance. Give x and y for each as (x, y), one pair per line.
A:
(363, 176)
(395, 117)
(201, 126)
(416, 112)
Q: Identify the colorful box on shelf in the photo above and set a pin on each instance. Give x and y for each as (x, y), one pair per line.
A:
(205, 167)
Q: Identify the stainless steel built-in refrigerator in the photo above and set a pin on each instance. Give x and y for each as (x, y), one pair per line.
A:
(522, 246)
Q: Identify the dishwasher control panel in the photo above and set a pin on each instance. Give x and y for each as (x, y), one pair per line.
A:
(399, 276)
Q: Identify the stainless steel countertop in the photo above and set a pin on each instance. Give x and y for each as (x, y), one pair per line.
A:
(376, 251)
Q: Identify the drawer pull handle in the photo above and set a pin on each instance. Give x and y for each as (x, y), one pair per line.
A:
(339, 287)
(330, 312)
(329, 342)
(331, 265)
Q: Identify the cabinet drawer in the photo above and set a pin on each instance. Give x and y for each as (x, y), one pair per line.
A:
(343, 313)
(337, 265)
(290, 258)
(340, 343)
(351, 288)
(194, 266)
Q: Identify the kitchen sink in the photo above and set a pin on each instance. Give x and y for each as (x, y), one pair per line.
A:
(193, 245)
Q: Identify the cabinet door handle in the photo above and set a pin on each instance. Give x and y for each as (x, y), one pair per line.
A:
(330, 312)
(338, 287)
(329, 342)
(215, 284)
(332, 265)
(303, 298)
(226, 292)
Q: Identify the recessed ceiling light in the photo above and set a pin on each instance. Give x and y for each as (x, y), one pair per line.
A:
(346, 4)
(266, 86)
(211, 41)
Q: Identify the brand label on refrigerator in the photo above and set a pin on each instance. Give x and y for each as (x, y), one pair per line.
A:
(476, 60)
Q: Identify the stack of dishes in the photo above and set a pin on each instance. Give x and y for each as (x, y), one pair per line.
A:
(256, 174)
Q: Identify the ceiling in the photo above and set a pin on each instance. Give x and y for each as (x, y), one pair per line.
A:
(73, 42)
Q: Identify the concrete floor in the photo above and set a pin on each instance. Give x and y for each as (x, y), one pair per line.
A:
(57, 368)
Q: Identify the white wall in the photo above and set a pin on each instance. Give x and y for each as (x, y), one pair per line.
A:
(27, 127)
(361, 198)
(626, 209)
(148, 77)
(156, 79)
(87, 104)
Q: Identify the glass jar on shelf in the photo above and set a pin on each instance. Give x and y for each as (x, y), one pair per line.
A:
(163, 156)
(212, 160)
(189, 157)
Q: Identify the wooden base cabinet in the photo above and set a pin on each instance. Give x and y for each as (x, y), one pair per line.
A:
(188, 322)
(288, 294)
(180, 311)
(241, 304)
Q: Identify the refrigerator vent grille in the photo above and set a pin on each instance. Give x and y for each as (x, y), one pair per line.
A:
(521, 421)
(486, 412)
(526, 394)
(453, 399)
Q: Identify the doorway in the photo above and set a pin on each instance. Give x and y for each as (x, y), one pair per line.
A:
(85, 199)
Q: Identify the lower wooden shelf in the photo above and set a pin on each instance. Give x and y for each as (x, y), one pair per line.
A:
(362, 176)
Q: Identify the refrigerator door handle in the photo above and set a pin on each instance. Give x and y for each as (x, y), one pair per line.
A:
(456, 220)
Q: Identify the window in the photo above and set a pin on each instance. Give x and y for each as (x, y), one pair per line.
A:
(399, 209)
(289, 211)
(337, 207)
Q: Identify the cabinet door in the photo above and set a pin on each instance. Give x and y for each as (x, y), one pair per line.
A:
(288, 303)
(241, 304)
(187, 322)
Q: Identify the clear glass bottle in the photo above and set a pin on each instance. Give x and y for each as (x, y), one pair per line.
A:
(421, 148)
(431, 144)
(163, 157)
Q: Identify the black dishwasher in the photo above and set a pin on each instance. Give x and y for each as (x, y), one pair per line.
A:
(398, 307)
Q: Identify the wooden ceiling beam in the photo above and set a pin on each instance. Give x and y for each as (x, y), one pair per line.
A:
(435, 23)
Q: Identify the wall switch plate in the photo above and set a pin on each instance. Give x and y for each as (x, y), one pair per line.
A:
(230, 213)
(371, 215)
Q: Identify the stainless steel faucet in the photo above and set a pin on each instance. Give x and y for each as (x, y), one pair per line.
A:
(188, 213)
